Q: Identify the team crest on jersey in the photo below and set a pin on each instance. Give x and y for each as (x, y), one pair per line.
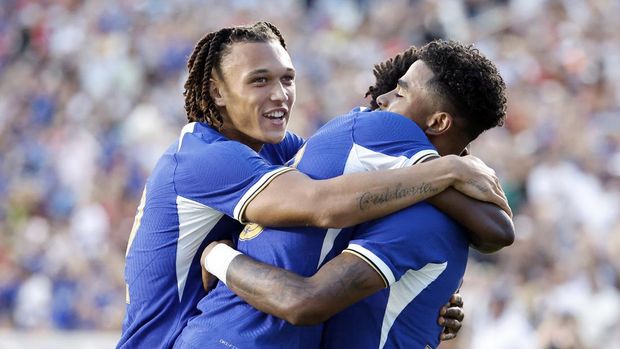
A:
(251, 231)
(428, 347)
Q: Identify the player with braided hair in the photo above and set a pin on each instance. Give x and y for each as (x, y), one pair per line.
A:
(208, 53)
(228, 166)
(384, 289)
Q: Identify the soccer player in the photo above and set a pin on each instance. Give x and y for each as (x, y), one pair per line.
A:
(447, 97)
(228, 166)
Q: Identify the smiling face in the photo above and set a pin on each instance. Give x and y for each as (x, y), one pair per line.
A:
(255, 92)
(412, 96)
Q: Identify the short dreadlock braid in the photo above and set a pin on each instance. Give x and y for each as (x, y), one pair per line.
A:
(207, 56)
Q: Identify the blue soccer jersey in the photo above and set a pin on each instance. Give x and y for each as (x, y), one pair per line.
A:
(356, 142)
(421, 253)
(196, 194)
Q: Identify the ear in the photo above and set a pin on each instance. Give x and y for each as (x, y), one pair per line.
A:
(217, 92)
(438, 123)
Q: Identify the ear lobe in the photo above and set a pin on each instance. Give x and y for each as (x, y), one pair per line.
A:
(438, 123)
(216, 93)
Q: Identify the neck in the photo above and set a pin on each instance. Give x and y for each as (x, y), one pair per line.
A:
(448, 145)
(235, 135)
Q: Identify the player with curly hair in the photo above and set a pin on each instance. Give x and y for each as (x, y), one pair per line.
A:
(384, 289)
(228, 166)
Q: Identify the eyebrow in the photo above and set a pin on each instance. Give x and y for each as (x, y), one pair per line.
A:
(264, 71)
(403, 84)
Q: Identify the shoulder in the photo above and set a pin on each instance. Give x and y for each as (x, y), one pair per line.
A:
(206, 144)
(385, 120)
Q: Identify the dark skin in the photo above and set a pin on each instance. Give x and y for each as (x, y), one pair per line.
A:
(347, 278)
(340, 283)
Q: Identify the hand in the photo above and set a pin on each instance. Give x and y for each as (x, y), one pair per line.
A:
(476, 180)
(209, 280)
(451, 317)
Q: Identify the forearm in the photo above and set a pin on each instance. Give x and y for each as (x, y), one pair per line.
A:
(350, 199)
(298, 300)
(267, 288)
(490, 228)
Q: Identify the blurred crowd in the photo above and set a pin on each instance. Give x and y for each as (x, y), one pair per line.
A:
(91, 95)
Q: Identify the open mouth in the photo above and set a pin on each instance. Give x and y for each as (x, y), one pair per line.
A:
(275, 115)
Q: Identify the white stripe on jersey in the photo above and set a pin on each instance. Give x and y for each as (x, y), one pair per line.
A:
(195, 222)
(404, 292)
(364, 159)
(189, 128)
(328, 243)
(422, 155)
(378, 262)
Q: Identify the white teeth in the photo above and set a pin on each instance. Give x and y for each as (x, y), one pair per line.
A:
(275, 115)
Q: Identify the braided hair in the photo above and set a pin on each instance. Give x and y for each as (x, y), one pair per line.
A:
(207, 57)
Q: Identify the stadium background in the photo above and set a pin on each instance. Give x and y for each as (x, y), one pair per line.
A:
(90, 95)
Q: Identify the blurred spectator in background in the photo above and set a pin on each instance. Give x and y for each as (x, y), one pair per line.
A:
(91, 93)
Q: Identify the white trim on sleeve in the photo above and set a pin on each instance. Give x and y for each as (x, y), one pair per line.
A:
(377, 263)
(251, 193)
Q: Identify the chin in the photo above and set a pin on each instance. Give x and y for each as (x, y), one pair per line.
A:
(275, 139)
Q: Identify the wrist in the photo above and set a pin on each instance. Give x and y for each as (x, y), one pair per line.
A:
(218, 260)
(454, 168)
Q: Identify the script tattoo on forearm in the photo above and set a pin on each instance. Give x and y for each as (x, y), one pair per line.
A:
(368, 199)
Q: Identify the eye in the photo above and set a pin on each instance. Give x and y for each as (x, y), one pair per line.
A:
(259, 80)
(288, 79)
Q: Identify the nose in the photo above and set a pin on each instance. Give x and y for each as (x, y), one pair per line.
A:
(279, 93)
(382, 101)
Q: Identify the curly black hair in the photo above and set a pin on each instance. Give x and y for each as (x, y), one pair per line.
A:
(387, 74)
(468, 83)
(207, 55)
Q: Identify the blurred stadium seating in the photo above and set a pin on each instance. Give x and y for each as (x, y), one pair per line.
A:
(91, 94)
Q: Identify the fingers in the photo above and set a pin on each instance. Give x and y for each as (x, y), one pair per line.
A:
(447, 336)
(450, 330)
(452, 325)
(451, 316)
(456, 300)
(454, 313)
(501, 201)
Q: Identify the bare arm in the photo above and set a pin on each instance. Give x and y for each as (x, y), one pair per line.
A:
(293, 199)
(341, 282)
(490, 228)
(304, 301)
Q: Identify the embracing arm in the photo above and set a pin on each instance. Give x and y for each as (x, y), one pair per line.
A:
(338, 284)
(341, 282)
(490, 228)
(294, 199)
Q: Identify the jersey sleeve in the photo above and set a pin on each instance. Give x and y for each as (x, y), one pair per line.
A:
(408, 239)
(384, 140)
(281, 153)
(225, 176)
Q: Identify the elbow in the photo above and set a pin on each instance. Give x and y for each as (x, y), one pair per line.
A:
(327, 218)
(305, 309)
(305, 315)
(327, 213)
(502, 235)
(506, 231)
